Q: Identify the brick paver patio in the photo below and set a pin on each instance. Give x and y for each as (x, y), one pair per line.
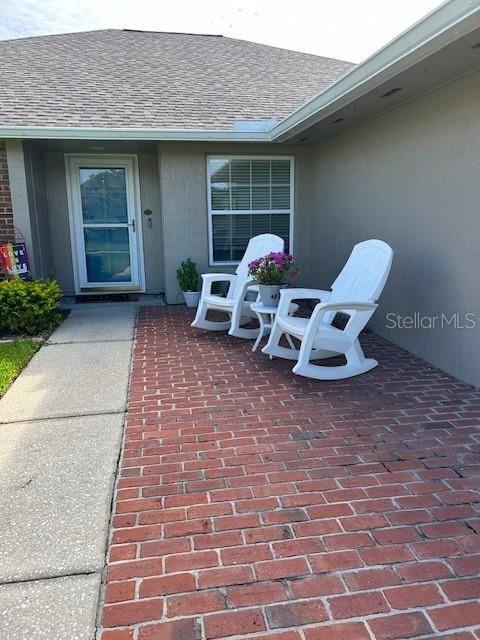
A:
(255, 504)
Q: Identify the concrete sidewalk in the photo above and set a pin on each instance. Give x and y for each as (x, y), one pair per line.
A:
(61, 427)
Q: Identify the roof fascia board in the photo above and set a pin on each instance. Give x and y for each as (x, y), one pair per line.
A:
(446, 24)
(115, 133)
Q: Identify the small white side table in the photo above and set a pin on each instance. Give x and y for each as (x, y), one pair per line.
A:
(266, 318)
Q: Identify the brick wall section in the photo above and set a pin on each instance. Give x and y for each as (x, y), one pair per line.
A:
(6, 211)
(254, 504)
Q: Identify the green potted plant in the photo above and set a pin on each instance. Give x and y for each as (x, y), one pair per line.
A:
(187, 277)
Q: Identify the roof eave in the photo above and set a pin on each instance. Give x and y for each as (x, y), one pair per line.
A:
(131, 133)
(449, 22)
(452, 20)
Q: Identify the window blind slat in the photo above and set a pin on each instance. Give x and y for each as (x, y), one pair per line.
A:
(281, 172)
(220, 198)
(261, 171)
(243, 186)
(241, 198)
(240, 171)
(222, 238)
(260, 198)
(280, 197)
(280, 225)
(260, 224)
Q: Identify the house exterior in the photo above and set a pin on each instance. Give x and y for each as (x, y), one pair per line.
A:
(123, 153)
(144, 82)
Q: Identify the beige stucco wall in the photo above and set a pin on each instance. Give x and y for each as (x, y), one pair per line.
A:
(57, 207)
(151, 229)
(184, 203)
(39, 222)
(18, 178)
(412, 178)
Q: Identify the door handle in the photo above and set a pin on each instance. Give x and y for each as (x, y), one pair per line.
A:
(132, 224)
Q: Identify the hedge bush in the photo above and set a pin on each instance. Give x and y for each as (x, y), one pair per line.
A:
(29, 306)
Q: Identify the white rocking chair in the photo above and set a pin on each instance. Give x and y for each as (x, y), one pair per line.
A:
(353, 293)
(234, 304)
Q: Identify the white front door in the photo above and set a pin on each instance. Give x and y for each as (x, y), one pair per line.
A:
(105, 223)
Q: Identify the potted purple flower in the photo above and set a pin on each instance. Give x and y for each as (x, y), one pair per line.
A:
(270, 272)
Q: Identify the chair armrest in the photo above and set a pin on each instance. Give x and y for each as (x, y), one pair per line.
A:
(305, 294)
(218, 277)
(210, 278)
(362, 312)
(287, 295)
(346, 306)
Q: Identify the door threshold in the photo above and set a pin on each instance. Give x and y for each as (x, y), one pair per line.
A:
(106, 297)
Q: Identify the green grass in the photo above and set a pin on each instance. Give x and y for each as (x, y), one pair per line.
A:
(13, 357)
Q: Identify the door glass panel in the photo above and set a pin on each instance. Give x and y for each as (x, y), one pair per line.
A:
(104, 195)
(107, 252)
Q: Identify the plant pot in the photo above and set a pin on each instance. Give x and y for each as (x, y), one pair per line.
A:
(191, 298)
(269, 294)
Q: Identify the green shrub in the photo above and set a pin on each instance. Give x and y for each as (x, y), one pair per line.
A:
(29, 306)
(187, 276)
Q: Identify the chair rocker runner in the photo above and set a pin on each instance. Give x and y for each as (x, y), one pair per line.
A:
(234, 304)
(354, 293)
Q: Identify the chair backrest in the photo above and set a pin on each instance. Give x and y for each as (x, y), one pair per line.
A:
(257, 247)
(365, 273)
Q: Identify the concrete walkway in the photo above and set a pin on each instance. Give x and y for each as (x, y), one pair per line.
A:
(61, 427)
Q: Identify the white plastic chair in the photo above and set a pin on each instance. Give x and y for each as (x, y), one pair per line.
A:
(234, 304)
(353, 293)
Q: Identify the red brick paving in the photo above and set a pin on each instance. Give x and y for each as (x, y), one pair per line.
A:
(255, 504)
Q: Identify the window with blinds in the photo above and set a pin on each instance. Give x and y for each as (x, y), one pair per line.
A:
(246, 197)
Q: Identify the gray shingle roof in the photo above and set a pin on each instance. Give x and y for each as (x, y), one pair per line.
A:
(115, 78)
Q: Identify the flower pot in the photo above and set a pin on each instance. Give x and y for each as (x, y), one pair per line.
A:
(191, 298)
(269, 294)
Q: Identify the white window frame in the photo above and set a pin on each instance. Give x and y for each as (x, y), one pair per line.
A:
(212, 212)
